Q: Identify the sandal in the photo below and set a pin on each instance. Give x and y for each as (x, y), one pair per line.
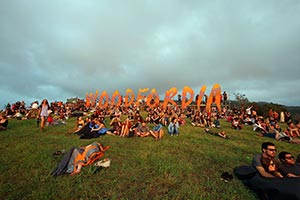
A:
(56, 153)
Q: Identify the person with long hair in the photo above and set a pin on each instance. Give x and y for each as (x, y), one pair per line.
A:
(43, 113)
(270, 167)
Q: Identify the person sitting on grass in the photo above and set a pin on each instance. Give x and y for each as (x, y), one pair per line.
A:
(216, 122)
(182, 119)
(138, 120)
(293, 130)
(236, 123)
(173, 128)
(3, 122)
(115, 125)
(79, 123)
(126, 127)
(143, 130)
(260, 126)
(157, 130)
(100, 128)
(196, 119)
(86, 129)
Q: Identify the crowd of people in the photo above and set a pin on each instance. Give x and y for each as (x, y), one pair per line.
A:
(54, 113)
(144, 121)
(109, 120)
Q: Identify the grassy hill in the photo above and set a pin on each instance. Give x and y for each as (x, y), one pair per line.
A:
(184, 167)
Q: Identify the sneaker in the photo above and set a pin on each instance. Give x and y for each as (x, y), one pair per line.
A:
(224, 175)
(228, 178)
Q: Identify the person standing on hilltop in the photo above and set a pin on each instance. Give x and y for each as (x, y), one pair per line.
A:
(43, 113)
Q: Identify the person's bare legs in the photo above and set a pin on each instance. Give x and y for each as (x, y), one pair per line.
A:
(43, 119)
(154, 134)
(160, 133)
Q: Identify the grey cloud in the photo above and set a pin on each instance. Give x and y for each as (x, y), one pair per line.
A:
(56, 51)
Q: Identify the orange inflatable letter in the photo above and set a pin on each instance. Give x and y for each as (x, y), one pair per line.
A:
(115, 94)
(87, 100)
(168, 97)
(91, 99)
(214, 97)
(191, 92)
(150, 97)
(200, 96)
(103, 95)
(128, 92)
(141, 97)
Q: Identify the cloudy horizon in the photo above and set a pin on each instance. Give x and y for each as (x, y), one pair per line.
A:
(61, 49)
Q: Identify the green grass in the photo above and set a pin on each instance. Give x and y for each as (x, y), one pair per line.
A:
(184, 167)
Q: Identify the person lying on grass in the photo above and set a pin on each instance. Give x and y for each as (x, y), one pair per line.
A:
(76, 158)
(221, 134)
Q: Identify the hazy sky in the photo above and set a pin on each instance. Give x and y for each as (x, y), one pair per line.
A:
(57, 49)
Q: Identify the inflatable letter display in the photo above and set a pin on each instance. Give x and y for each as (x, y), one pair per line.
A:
(87, 100)
(113, 98)
(91, 99)
(186, 90)
(201, 94)
(153, 100)
(140, 96)
(104, 97)
(151, 96)
(129, 101)
(168, 97)
(214, 97)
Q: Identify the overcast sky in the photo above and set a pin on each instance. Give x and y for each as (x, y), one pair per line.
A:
(57, 49)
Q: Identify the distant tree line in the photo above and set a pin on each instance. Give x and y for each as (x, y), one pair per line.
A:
(262, 108)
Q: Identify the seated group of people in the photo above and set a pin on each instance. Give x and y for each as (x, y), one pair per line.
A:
(271, 176)
(273, 130)
(266, 163)
(91, 128)
(203, 119)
